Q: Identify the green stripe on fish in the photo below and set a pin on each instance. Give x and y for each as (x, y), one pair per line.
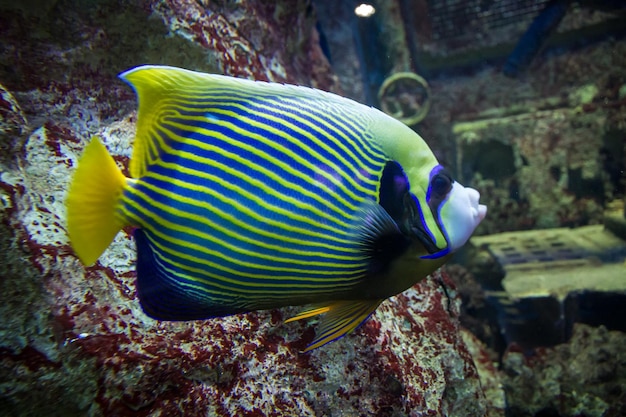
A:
(251, 195)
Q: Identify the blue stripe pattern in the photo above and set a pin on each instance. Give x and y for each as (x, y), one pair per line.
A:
(252, 201)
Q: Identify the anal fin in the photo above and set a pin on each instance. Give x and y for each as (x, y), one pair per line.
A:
(341, 317)
(163, 295)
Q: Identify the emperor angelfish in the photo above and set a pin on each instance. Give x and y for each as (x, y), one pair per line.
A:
(251, 195)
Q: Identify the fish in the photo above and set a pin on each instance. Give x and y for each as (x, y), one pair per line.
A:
(247, 195)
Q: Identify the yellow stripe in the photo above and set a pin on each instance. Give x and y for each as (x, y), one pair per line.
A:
(252, 196)
(228, 293)
(309, 313)
(362, 131)
(323, 145)
(210, 238)
(244, 209)
(259, 184)
(343, 317)
(278, 163)
(339, 268)
(272, 224)
(340, 118)
(237, 236)
(259, 138)
(245, 287)
(287, 137)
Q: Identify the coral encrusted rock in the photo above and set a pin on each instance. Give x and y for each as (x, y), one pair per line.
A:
(74, 340)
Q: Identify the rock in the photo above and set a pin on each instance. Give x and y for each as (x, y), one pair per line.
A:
(12, 120)
(490, 378)
(584, 377)
(74, 340)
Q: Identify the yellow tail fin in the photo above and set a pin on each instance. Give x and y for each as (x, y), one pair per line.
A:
(94, 192)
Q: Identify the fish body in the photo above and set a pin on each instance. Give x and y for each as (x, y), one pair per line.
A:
(250, 195)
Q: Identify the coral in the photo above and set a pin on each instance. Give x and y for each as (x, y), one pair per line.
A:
(74, 340)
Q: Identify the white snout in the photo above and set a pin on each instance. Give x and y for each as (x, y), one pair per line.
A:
(460, 214)
(478, 210)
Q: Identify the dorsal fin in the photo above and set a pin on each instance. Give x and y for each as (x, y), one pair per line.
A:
(153, 85)
(162, 88)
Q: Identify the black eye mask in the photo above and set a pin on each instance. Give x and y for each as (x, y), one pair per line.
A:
(399, 203)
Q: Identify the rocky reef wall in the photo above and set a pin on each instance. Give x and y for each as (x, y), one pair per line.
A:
(74, 341)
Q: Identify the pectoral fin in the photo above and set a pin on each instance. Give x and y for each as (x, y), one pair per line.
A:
(341, 318)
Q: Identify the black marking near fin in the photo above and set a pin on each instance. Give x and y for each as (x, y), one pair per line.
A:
(161, 298)
(399, 203)
(380, 237)
(394, 185)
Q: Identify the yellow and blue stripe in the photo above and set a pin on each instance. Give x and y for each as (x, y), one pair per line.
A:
(247, 200)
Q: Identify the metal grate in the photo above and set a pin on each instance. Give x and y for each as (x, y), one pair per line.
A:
(452, 18)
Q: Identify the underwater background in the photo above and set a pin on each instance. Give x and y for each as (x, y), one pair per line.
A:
(523, 100)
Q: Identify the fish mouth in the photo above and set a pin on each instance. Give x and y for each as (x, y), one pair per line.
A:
(477, 210)
(480, 212)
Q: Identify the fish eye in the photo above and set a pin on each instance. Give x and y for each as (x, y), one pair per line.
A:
(440, 185)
